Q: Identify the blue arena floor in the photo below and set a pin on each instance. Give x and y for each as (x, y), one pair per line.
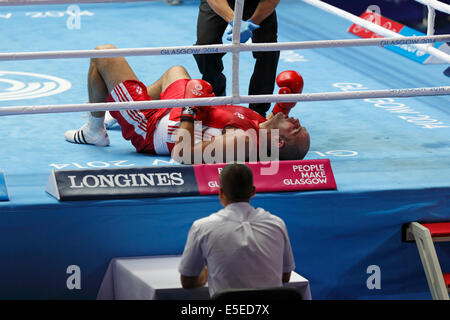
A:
(390, 157)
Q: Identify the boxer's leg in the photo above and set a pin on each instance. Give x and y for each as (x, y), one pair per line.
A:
(171, 75)
(103, 75)
(106, 73)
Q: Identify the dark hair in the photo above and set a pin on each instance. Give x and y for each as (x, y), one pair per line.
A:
(236, 181)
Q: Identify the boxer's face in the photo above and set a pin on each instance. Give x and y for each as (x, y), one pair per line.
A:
(295, 136)
(290, 127)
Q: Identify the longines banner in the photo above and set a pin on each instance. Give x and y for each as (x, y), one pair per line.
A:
(191, 180)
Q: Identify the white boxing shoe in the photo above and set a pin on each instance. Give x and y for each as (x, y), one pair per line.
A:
(110, 122)
(85, 135)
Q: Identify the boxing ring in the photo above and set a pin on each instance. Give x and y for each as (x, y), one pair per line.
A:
(382, 120)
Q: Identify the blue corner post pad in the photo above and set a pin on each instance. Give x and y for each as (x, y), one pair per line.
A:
(447, 72)
(4, 196)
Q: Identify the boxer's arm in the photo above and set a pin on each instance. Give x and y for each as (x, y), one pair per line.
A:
(221, 148)
(185, 141)
(263, 10)
(185, 148)
(290, 82)
(222, 8)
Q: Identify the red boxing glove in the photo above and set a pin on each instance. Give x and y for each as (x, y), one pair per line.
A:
(289, 82)
(195, 89)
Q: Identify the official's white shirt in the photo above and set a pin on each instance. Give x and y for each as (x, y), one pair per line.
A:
(243, 247)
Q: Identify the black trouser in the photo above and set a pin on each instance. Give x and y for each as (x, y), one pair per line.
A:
(210, 29)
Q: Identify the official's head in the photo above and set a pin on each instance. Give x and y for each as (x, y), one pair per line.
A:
(236, 184)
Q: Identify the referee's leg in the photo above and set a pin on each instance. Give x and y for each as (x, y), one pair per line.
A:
(210, 29)
(266, 63)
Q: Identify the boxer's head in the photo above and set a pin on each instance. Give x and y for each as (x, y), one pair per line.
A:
(294, 139)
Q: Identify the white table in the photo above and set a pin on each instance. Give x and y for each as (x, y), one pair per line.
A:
(157, 278)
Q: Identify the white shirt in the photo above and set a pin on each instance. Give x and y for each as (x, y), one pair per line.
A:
(243, 247)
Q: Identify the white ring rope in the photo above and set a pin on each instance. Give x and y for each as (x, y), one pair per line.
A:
(157, 104)
(220, 48)
(236, 35)
(440, 6)
(430, 21)
(235, 47)
(374, 27)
